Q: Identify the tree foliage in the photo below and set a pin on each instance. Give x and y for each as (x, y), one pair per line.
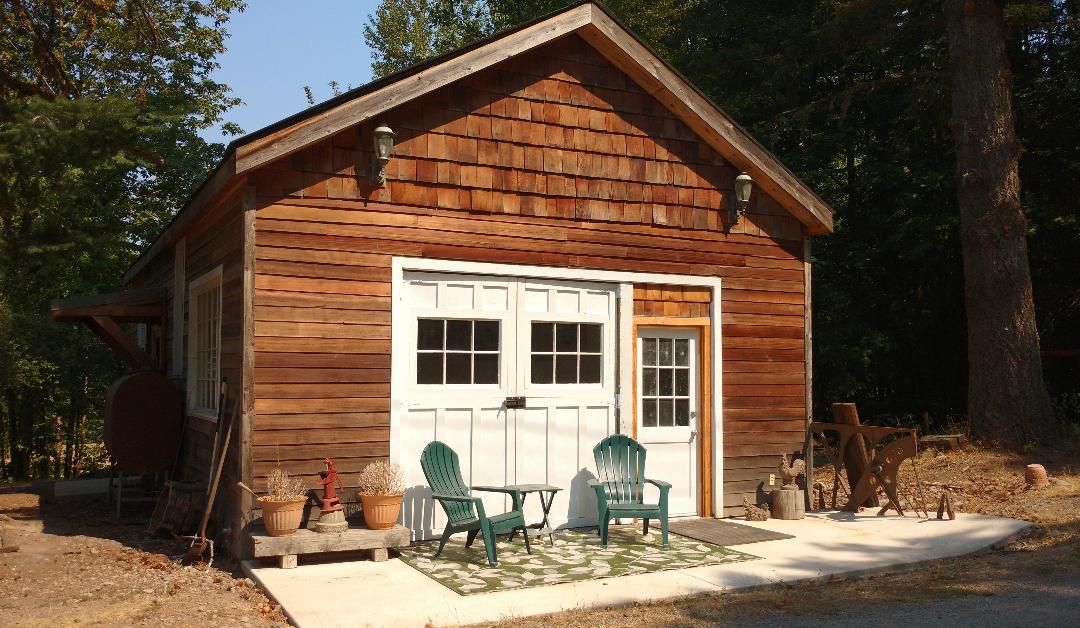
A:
(100, 105)
(854, 97)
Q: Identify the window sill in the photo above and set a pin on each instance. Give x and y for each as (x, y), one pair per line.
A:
(206, 415)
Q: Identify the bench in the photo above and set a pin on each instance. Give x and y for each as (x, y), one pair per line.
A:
(303, 541)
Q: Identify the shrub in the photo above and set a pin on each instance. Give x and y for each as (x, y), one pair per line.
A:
(381, 478)
(282, 487)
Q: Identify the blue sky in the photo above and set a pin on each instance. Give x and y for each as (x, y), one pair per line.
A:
(278, 46)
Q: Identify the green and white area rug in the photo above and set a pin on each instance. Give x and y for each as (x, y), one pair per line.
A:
(577, 555)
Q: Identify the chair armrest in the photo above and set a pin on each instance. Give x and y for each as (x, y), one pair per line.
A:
(512, 492)
(660, 484)
(598, 486)
(454, 498)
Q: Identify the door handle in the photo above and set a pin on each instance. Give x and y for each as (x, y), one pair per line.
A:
(693, 435)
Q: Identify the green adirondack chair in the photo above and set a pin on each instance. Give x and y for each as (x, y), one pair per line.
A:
(465, 513)
(620, 466)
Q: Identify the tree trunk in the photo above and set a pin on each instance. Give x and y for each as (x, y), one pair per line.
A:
(1007, 397)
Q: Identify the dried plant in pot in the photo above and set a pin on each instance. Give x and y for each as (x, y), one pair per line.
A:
(381, 486)
(283, 504)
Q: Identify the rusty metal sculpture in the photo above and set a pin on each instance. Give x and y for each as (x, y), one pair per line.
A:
(881, 468)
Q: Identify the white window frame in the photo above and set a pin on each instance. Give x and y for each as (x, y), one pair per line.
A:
(198, 287)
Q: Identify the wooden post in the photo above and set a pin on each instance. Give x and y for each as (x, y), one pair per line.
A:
(787, 504)
(808, 378)
(856, 458)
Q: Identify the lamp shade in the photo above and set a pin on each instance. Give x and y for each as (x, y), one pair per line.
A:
(384, 141)
(743, 185)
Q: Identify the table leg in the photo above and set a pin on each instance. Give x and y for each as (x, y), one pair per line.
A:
(546, 507)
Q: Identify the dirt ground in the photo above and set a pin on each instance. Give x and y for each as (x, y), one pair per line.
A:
(1030, 581)
(77, 565)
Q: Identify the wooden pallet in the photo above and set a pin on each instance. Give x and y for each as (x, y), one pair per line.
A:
(287, 548)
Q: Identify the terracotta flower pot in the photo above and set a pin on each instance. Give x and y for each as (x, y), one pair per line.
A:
(282, 518)
(381, 511)
(1035, 476)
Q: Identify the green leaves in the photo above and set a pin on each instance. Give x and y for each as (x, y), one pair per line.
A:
(100, 108)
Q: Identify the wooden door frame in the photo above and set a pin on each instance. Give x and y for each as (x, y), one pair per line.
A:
(703, 327)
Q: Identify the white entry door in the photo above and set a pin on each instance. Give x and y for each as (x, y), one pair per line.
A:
(667, 410)
(476, 346)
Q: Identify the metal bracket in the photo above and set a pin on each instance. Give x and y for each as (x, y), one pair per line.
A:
(514, 403)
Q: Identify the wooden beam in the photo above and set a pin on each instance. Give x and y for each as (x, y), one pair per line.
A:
(808, 381)
(320, 126)
(247, 504)
(123, 344)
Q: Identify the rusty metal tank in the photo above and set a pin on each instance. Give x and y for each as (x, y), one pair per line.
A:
(143, 422)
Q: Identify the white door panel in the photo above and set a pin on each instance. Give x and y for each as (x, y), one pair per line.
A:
(550, 440)
(667, 407)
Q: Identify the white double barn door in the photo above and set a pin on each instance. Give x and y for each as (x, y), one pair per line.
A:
(475, 342)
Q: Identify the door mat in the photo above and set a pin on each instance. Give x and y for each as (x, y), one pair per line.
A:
(577, 556)
(724, 533)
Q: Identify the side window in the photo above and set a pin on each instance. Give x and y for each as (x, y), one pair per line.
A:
(457, 351)
(204, 344)
(566, 353)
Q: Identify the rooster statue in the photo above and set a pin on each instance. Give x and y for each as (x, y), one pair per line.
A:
(788, 473)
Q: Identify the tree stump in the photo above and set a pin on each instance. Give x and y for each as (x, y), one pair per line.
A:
(787, 504)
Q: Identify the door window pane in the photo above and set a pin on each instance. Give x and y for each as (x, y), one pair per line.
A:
(457, 351)
(429, 333)
(665, 386)
(486, 335)
(567, 353)
(664, 353)
(458, 368)
(648, 412)
(543, 335)
(566, 337)
(590, 339)
(682, 412)
(682, 352)
(543, 370)
(591, 368)
(566, 369)
(648, 351)
(429, 368)
(459, 334)
(648, 382)
(682, 382)
(485, 368)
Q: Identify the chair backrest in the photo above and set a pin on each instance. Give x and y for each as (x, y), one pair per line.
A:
(620, 465)
(443, 472)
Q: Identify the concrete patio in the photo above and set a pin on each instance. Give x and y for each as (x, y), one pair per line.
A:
(365, 593)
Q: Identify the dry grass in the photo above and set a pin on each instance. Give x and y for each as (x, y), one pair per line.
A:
(990, 483)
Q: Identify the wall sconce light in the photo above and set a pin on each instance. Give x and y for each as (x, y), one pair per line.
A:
(384, 147)
(743, 185)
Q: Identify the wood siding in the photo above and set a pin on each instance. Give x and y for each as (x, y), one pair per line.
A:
(214, 238)
(552, 159)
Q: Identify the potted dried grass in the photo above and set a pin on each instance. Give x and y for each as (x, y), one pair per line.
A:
(381, 486)
(283, 504)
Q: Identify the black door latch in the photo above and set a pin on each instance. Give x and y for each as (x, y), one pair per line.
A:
(514, 403)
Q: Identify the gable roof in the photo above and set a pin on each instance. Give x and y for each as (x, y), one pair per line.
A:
(588, 20)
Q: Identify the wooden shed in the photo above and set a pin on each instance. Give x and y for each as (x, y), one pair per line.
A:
(556, 254)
